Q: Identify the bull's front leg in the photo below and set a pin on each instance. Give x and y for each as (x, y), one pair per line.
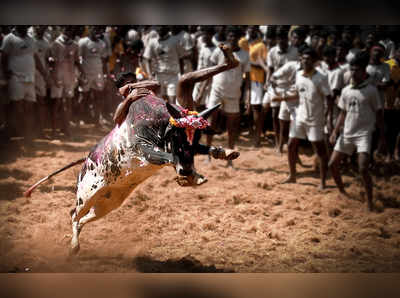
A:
(153, 156)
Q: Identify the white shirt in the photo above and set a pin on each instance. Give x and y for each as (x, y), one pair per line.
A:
(92, 53)
(43, 47)
(165, 53)
(66, 56)
(285, 78)
(361, 104)
(20, 52)
(335, 75)
(228, 83)
(276, 59)
(204, 61)
(312, 96)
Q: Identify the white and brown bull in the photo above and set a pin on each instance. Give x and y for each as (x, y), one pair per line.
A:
(149, 134)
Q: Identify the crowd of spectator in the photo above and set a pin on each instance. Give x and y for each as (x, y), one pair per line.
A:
(330, 85)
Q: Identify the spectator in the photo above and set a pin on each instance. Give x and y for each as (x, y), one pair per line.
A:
(379, 72)
(93, 54)
(361, 107)
(64, 54)
(19, 60)
(186, 43)
(5, 104)
(312, 90)
(276, 58)
(393, 91)
(257, 52)
(226, 87)
(166, 52)
(41, 87)
(334, 72)
(201, 90)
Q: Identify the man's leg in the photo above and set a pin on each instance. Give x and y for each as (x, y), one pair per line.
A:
(283, 133)
(56, 114)
(98, 103)
(213, 124)
(292, 149)
(65, 115)
(363, 163)
(258, 121)
(397, 148)
(275, 124)
(232, 125)
(334, 166)
(42, 113)
(319, 148)
(29, 119)
(85, 106)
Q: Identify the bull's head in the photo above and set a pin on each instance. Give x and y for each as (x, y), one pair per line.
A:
(181, 137)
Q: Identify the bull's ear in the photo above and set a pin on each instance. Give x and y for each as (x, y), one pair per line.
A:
(206, 113)
(173, 111)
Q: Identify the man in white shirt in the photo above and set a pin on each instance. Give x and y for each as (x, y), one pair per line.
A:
(312, 90)
(42, 46)
(226, 87)
(201, 90)
(187, 45)
(93, 54)
(64, 54)
(334, 72)
(20, 60)
(360, 108)
(378, 71)
(276, 58)
(166, 52)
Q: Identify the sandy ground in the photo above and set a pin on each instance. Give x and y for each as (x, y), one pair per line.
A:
(241, 220)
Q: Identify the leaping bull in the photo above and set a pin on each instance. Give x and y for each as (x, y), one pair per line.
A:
(149, 134)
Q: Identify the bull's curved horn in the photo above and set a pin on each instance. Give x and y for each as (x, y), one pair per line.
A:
(173, 111)
(205, 114)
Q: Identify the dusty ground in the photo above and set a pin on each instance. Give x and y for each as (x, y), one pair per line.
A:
(241, 220)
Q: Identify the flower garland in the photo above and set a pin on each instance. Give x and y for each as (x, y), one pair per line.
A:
(190, 121)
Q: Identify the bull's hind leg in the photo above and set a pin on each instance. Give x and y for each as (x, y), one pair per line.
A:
(101, 208)
(82, 208)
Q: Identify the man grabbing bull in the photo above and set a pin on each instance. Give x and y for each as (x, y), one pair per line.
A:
(149, 134)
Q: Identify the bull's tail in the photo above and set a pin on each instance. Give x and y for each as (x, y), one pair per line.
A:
(32, 188)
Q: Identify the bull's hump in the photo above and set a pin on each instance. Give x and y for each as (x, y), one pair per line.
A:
(149, 110)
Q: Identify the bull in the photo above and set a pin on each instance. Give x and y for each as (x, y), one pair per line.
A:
(149, 134)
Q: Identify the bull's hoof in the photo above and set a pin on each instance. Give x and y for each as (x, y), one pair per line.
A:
(73, 251)
(194, 180)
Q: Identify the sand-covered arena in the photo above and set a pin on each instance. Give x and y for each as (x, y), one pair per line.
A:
(241, 220)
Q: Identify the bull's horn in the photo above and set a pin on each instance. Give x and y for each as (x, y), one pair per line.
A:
(205, 114)
(173, 111)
